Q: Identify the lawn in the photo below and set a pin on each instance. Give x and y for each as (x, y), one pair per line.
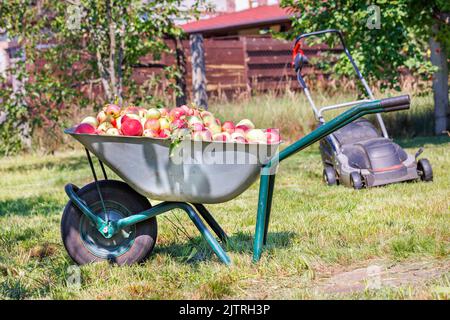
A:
(324, 242)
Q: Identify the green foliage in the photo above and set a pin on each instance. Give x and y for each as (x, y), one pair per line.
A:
(77, 47)
(401, 41)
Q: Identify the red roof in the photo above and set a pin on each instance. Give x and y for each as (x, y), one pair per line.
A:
(245, 18)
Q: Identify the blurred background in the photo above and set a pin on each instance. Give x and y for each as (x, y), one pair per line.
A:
(61, 60)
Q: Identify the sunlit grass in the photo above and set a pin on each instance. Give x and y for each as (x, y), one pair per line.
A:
(314, 229)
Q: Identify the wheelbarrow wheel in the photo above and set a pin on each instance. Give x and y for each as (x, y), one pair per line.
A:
(85, 244)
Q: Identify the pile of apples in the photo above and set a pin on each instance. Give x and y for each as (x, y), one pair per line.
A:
(184, 121)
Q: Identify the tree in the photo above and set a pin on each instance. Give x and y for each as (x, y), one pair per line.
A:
(68, 45)
(385, 37)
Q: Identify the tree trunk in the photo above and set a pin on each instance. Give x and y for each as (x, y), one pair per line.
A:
(112, 50)
(440, 87)
(23, 124)
(121, 56)
(181, 66)
(198, 70)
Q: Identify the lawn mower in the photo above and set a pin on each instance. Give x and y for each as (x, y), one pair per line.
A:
(359, 155)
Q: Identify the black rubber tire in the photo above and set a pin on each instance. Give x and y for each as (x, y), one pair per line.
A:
(356, 180)
(117, 193)
(424, 170)
(329, 176)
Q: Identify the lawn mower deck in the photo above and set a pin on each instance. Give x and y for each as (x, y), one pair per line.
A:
(363, 157)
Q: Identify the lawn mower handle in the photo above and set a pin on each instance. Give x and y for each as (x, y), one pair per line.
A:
(299, 58)
(316, 33)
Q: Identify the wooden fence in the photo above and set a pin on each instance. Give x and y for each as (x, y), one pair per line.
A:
(240, 64)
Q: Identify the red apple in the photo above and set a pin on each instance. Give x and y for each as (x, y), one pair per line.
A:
(153, 113)
(193, 119)
(178, 124)
(223, 136)
(132, 127)
(113, 132)
(247, 123)
(128, 116)
(132, 109)
(163, 111)
(256, 135)
(206, 135)
(85, 128)
(151, 133)
(164, 134)
(176, 113)
(103, 127)
(209, 120)
(242, 127)
(185, 108)
(102, 116)
(152, 124)
(91, 120)
(193, 112)
(215, 128)
(273, 136)
(164, 123)
(228, 126)
(238, 137)
(240, 131)
(197, 127)
(142, 113)
(118, 122)
(112, 110)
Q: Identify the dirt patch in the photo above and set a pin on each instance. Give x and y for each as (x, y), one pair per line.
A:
(380, 274)
(42, 251)
(328, 280)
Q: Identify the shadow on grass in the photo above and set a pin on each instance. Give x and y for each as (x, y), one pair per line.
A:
(14, 289)
(72, 163)
(196, 249)
(40, 205)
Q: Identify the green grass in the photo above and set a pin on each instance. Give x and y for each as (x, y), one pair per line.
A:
(292, 114)
(316, 232)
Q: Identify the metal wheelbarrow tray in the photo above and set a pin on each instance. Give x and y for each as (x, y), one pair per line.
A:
(197, 173)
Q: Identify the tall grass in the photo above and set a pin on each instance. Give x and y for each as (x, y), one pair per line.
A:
(291, 113)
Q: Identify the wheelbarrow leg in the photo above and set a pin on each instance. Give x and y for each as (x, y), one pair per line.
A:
(261, 215)
(269, 206)
(211, 221)
(206, 234)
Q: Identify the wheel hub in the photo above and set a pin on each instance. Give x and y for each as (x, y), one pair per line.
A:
(101, 243)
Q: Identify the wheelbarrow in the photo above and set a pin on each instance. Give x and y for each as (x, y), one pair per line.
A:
(110, 220)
